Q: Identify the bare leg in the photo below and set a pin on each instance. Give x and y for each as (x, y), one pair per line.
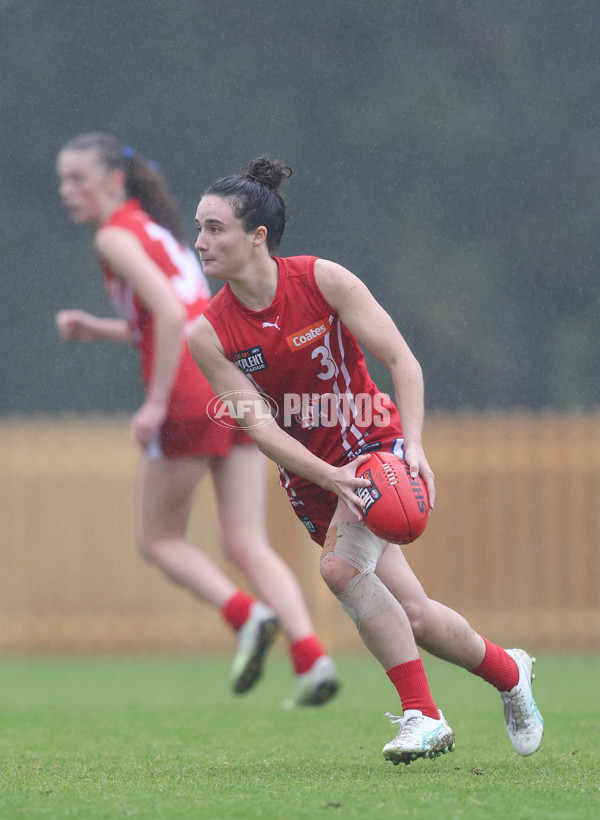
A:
(165, 487)
(239, 481)
(437, 628)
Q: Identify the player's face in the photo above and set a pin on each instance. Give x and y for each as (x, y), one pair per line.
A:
(224, 246)
(83, 185)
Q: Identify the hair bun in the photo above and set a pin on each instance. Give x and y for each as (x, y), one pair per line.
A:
(269, 173)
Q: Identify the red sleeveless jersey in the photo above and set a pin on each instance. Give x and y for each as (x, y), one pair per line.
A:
(190, 392)
(300, 355)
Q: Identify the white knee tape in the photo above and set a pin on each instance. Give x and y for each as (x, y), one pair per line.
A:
(357, 546)
(365, 595)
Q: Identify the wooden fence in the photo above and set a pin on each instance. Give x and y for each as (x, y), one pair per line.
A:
(513, 543)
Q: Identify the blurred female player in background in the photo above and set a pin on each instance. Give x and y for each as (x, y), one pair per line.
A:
(291, 327)
(157, 287)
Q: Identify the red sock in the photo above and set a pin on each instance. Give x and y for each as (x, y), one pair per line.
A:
(237, 608)
(411, 683)
(497, 668)
(305, 652)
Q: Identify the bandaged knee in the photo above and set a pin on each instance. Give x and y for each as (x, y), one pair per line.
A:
(365, 595)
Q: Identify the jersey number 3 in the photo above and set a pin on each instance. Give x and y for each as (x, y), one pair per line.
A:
(329, 368)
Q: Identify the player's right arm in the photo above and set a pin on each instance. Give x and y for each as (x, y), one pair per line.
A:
(79, 326)
(251, 410)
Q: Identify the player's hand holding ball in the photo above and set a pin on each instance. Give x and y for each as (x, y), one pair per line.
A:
(396, 504)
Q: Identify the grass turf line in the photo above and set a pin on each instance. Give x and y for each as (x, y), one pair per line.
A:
(164, 738)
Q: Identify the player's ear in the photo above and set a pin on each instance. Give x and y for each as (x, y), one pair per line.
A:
(260, 235)
(117, 178)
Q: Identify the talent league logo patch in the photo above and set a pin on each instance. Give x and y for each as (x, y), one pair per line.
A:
(308, 335)
(308, 523)
(251, 360)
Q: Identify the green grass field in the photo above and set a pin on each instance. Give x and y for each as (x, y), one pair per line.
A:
(161, 737)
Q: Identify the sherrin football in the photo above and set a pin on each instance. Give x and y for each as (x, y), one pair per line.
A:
(396, 506)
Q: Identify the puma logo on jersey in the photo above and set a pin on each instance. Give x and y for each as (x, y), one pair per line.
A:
(308, 335)
(272, 324)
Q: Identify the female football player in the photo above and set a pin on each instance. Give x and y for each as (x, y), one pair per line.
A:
(285, 333)
(157, 286)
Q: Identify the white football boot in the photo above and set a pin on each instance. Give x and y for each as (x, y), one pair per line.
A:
(254, 641)
(524, 724)
(315, 687)
(419, 736)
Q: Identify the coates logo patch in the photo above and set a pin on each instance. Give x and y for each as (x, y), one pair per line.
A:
(308, 335)
(251, 360)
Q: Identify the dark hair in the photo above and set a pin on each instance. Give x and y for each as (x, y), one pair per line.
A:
(143, 181)
(255, 197)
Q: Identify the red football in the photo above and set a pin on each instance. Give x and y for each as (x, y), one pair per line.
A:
(396, 505)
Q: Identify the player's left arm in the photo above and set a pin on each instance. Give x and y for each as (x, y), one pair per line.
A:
(377, 333)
